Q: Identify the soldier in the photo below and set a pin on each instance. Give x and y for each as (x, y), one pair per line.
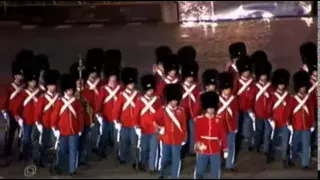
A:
(258, 57)
(261, 93)
(236, 50)
(25, 109)
(67, 123)
(145, 111)
(229, 112)
(303, 119)
(243, 90)
(108, 94)
(162, 54)
(123, 116)
(313, 93)
(209, 80)
(42, 61)
(43, 111)
(210, 137)
(12, 92)
(171, 121)
(171, 70)
(191, 91)
(279, 113)
(187, 55)
(308, 52)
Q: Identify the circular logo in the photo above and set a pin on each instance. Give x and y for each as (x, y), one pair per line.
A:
(30, 171)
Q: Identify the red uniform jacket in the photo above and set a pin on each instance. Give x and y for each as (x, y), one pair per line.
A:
(106, 101)
(124, 108)
(279, 108)
(163, 83)
(145, 112)
(197, 106)
(303, 115)
(10, 99)
(44, 108)
(91, 92)
(26, 106)
(210, 135)
(158, 73)
(261, 97)
(174, 123)
(229, 112)
(189, 101)
(233, 69)
(67, 116)
(243, 89)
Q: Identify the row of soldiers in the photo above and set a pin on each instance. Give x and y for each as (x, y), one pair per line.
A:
(98, 107)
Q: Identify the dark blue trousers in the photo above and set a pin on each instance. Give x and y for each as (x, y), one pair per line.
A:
(85, 145)
(149, 147)
(171, 154)
(262, 134)
(68, 152)
(203, 160)
(128, 145)
(301, 139)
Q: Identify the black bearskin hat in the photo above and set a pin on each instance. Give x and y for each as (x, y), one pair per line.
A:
(308, 52)
(162, 53)
(190, 70)
(22, 60)
(244, 64)
(237, 49)
(301, 79)
(209, 100)
(263, 68)
(129, 75)
(113, 57)
(95, 56)
(74, 72)
(173, 92)
(210, 76)
(111, 70)
(226, 80)
(280, 76)
(259, 56)
(171, 64)
(51, 77)
(148, 81)
(67, 81)
(31, 72)
(42, 61)
(93, 66)
(187, 54)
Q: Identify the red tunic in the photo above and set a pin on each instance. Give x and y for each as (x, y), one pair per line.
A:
(124, 108)
(210, 135)
(163, 83)
(44, 108)
(261, 97)
(233, 69)
(189, 101)
(106, 101)
(26, 106)
(145, 112)
(279, 108)
(303, 117)
(10, 99)
(243, 89)
(158, 73)
(67, 116)
(229, 112)
(174, 124)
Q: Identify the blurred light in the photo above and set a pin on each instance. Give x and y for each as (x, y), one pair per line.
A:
(307, 20)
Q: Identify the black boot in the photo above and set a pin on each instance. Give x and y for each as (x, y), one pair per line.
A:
(291, 164)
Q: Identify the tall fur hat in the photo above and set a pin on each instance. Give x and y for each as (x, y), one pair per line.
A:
(148, 81)
(173, 92)
(190, 70)
(51, 77)
(244, 63)
(259, 56)
(308, 52)
(42, 61)
(237, 49)
(171, 64)
(93, 66)
(263, 68)
(226, 80)
(301, 79)
(187, 54)
(31, 72)
(113, 57)
(95, 56)
(280, 76)
(210, 76)
(162, 53)
(129, 75)
(17, 68)
(74, 72)
(209, 100)
(67, 81)
(22, 60)
(111, 70)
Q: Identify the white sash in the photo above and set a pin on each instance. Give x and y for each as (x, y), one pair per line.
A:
(188, 92)
(42, 87)
(262, 90)
(305, 68)
(67, 104)
(112, 94)
(148, 105)
(225, 105)
(16, 90)
(51, 101)
(244, 85)
(280, 100)
(129, 100)
(302, 104)
(93, 86)
(209, 137)
(233, 65)
(313, 87)
(173, 118)
(31, 95)
(169, 81)
(160, 73)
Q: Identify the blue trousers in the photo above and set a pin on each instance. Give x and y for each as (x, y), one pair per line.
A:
(262, 134)
(128, 145)
(84, 145)
(46, 144)
(301, 138)
(108, 136)
(149, 147)
(68, 152)
(171, 154)
(27, 141)
(231, 150)
(191, 136)
(159, 155)
(95, 136)
(203, 160)
(280, 139)
(246, 129)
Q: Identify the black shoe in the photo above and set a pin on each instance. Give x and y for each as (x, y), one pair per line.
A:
(306, 168)
(82, 164)
(231, 170)
(250, 149)
(122, 162)
(102, 155)
(72, 174)
(160, 177)
(291, 164)
(58, 170)
(269, 158)
(142, 167)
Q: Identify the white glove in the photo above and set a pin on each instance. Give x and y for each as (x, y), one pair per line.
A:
(5, 114)
(39, 127)
(161, 131)
(272, 124)
(312, 129)
(183, 143)
(138, 131)
(20, 122)
(100, 129)
(290, 128)
(80, 133)
(99, 118)
(56, 133)
(236, 131)
(92, 124)
(225, 154)
(252, 115)
(117, 125)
